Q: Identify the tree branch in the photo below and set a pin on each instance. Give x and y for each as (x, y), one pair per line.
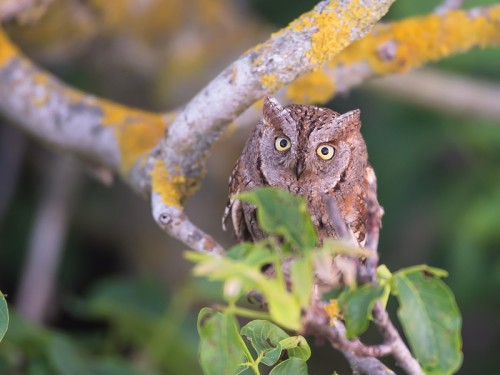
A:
(110, 134)
(444, 91)
(400, 351)
(398, 47)
(366, 365)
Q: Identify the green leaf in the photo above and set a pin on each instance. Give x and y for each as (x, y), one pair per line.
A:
(295, 366)
(430, 318)
(297, 347)
(283, 214)
(269, 341)
(430, 271)
(221, 349)
(4, 316)
(265, 337)
(302, 276)
(358, 305)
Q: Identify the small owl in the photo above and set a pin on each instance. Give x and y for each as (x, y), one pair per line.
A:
(309, 151)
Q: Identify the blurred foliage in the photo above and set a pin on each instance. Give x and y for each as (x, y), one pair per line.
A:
(438, 177)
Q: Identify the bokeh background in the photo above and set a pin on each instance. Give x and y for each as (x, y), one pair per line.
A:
(123, 300)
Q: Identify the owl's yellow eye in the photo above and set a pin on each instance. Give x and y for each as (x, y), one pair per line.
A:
(282, 144)
(325, 151)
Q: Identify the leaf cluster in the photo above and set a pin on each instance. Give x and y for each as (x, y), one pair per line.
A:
(427, 308)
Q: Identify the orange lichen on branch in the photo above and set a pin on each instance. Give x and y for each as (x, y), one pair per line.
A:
(313, 39)
(332, 26)
(173, 189)
(420, 40)
(400, 46)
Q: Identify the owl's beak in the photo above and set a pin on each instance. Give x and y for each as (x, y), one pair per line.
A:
(299, 168)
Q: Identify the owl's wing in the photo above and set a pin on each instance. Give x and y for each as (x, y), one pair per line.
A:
(234, 207)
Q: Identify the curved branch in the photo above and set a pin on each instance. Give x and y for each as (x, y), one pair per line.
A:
(113, 135)
(398, 47)
(305, 44)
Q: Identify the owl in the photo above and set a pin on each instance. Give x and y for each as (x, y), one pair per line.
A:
(309, 151)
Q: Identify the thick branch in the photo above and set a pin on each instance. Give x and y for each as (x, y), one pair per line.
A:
(398, 47)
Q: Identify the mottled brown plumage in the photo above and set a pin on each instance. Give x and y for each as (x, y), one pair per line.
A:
(290, 149)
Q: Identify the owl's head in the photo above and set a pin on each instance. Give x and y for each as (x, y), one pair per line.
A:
(303, 145)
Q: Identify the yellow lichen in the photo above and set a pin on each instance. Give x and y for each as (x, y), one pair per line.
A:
(333, 310)
(315, 87)
(419, 40)
(270, 81)
(137, 132)
(170, 188)
(333, 27)
(173, 189)
(7, 49)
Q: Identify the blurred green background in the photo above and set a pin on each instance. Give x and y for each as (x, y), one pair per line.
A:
(123, 300)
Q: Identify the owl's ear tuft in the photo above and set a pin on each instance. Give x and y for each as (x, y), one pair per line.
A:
(350, 120)
(272, 108)
(274, 114)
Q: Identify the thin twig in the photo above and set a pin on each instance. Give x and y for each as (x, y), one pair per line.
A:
(444, 92)
(361, 357)
(335, 334)
(367, 270)
(175, 222)
(366, 365)
(400, 351)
